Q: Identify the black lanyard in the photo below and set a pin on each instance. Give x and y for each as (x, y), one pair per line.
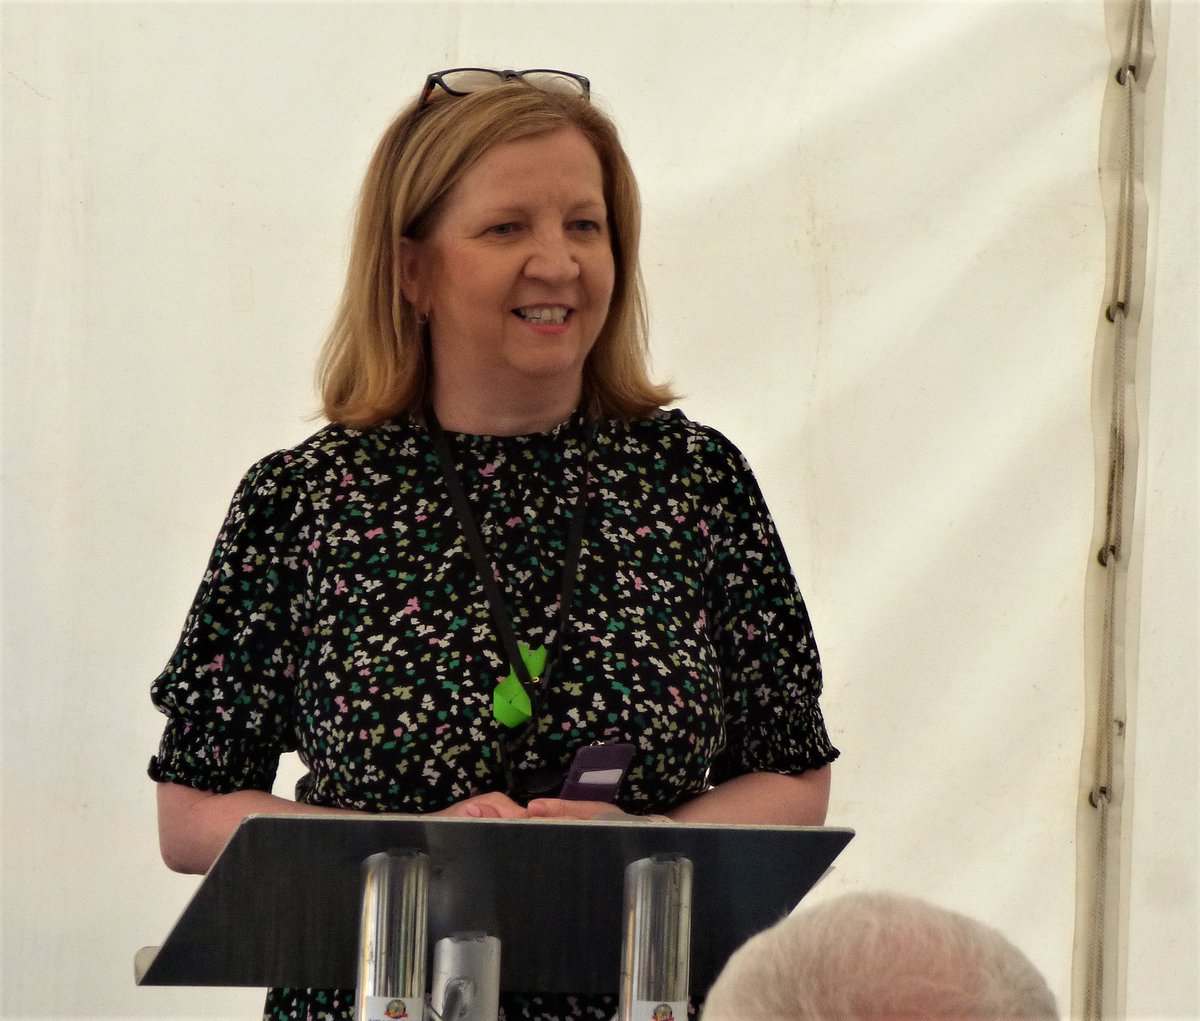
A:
(487, 575)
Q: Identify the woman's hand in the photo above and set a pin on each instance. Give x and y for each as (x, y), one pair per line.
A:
(492, 805)
(558, 808)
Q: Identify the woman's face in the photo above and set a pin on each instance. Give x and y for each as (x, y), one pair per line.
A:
(517, 274)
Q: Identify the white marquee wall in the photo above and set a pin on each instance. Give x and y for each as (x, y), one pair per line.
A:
(875, 254)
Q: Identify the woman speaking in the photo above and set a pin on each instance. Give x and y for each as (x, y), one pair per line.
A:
(502, 549)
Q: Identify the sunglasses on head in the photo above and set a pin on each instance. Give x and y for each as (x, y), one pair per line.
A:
(462, 81)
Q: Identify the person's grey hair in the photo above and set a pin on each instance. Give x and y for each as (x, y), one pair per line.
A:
(878, 955)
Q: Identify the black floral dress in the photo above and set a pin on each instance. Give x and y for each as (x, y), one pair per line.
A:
(341, 616)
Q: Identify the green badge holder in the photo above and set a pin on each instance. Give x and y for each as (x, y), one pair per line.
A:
(510, 700)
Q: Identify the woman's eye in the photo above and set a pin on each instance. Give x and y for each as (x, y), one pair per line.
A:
(502, 229)
(585, 225)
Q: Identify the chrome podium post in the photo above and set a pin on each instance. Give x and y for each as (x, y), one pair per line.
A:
(466, 977)
(392, 939)
(656, 948)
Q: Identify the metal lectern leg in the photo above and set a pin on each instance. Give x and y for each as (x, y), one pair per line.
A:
(466, 977)
(392, 939)
(657, 923)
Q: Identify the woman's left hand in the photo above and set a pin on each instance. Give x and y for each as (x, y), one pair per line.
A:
(558, 808)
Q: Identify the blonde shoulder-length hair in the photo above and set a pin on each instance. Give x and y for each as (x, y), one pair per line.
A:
(375, 363)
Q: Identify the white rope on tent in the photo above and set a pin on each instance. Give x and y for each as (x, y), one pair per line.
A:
(1108, 724)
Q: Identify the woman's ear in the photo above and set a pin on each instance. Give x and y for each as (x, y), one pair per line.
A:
(413, 274)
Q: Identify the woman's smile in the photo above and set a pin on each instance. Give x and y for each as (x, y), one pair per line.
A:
(544, 315)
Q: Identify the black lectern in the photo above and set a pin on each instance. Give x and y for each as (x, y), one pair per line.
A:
(282, 904)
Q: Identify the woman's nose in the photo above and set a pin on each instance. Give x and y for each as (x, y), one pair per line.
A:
(552, 259)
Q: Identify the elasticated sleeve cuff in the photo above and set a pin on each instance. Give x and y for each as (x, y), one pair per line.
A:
(186, 756)
(791, 742)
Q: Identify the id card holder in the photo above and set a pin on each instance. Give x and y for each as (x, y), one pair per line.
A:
(596, 772)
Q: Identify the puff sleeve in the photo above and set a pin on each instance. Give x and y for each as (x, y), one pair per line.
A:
(229, 690)
(770, 669)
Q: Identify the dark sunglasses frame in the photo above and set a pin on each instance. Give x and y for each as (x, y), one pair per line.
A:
(438, 80)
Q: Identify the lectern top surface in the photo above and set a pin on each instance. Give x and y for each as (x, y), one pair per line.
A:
(280, 907)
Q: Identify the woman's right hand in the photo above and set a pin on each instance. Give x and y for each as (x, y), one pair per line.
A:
(492, 805)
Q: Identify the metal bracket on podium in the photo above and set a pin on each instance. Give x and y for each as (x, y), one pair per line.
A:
(287, 902)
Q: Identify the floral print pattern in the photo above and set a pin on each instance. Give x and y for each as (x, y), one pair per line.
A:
(341, 617)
